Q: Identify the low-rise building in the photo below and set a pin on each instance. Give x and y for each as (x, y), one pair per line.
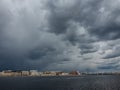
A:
(49, 73)
(10, 73)
(6, 73)
(34, 73)
(64, 74)
(25, 73)
(16, 73)
(74, 73)
(59, 73)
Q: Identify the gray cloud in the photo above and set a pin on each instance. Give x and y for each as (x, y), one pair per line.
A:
(114, 53)
(112, 65)
(61, 35)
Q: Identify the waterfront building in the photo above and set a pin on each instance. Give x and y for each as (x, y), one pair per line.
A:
(34, 73)
(49, 73)
(10, 73)
(6, 73)
(74, 73)
(25, 73)
(16, 73)
(64, 74)
(59, 73)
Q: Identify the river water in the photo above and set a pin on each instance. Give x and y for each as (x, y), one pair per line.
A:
(93, 82)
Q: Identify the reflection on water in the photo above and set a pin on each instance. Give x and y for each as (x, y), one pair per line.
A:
(105, 82)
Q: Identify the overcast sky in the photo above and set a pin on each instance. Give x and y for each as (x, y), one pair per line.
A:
(60, 35)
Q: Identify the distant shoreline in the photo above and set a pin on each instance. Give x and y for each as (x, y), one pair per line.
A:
(63, 76)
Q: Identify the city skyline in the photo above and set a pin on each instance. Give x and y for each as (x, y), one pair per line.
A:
(60, 35)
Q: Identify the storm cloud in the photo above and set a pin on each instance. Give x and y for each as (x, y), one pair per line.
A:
(60, 34)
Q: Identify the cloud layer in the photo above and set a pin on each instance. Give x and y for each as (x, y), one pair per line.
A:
(60, 35)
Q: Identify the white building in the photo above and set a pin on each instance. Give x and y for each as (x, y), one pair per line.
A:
(25, 73)
(34, 73)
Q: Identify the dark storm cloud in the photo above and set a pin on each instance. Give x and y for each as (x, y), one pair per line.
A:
(40, 52)
(107, 26)
(64, 19)
(58, 34)
(113, 65)
(4, 17)
(109, 67)
(87, 13)
(88, 48)
(114, 54)
(83, 12)
(108, 32)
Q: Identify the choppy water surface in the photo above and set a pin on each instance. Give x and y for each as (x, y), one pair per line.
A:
(105, 82)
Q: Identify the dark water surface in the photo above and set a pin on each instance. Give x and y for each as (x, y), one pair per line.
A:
(102, 82)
